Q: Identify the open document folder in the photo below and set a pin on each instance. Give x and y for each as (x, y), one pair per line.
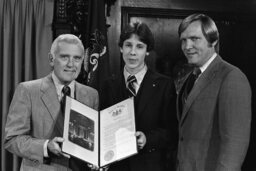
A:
(99, 138)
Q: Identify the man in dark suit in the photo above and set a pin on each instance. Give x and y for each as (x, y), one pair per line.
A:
(215, 116)
(34, 125)
(154, 99)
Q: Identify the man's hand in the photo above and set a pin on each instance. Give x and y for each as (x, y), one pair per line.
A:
(141, 139)
(95, 168)
(54, 147)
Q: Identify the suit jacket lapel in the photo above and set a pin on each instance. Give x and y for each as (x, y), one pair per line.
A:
(148, 86)
(202, 82)
(51, 101)
(81, 94)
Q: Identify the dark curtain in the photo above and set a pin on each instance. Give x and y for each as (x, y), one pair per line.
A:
(25, 40)
(97, 51)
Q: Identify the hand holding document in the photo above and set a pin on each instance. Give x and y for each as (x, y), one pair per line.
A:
(141, 139)
(99, 138)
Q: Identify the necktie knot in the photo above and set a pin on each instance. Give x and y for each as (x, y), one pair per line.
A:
(196, 72)
(131, 80)
(66, 90)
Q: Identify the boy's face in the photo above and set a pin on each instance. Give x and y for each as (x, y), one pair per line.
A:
(134, 52)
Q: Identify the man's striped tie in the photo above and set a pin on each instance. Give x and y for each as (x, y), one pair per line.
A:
(131, 80)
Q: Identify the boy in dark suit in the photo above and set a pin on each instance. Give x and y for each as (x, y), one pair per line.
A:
(154, 100)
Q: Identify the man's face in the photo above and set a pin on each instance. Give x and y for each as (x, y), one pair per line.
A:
(195, 46)
(134, 52)
(67, 62)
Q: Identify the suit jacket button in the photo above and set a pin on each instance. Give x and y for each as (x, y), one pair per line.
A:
(181, 138)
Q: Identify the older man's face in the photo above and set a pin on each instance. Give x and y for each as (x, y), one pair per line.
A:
(67, 62)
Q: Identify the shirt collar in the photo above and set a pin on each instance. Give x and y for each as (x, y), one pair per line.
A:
(139, 75)
(59, 86)
(205, 66)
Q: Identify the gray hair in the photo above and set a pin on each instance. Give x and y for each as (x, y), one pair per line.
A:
(68, 38)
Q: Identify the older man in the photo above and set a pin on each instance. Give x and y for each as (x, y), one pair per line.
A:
(35, 120)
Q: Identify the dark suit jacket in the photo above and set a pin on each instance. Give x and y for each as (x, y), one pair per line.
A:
(155, 116)
(214, 126)
(32, 119)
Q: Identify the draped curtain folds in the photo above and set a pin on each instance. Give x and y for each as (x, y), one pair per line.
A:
(97, 50)
(25, 40)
